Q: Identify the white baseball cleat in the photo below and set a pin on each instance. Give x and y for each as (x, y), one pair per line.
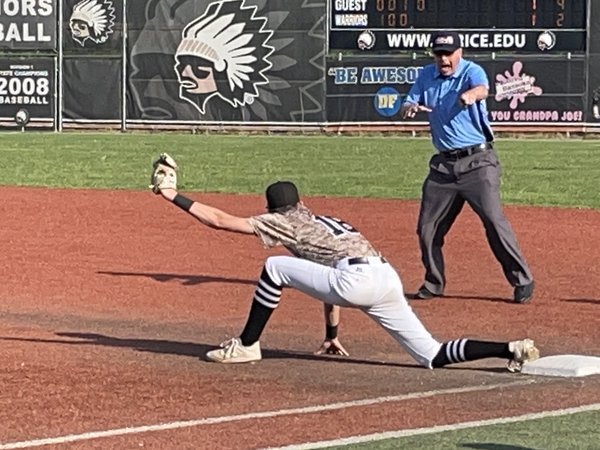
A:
(233, 351)
(523, 351)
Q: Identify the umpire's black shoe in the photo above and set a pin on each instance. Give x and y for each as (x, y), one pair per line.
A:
(524, 294)
(423, 294)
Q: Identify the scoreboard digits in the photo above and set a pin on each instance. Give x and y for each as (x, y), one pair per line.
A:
(509, 14)
(565, 17)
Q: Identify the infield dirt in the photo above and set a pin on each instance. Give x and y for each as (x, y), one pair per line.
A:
(110, 298)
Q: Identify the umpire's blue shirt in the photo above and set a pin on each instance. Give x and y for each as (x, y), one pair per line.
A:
(453, 125)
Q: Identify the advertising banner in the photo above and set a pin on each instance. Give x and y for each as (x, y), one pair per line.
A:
(593, 65)
(28, 24)
(27, 83)
(238, 60)
(513, 41)
(521, 90)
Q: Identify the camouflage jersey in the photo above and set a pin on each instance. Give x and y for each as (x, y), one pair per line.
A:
(321, 239)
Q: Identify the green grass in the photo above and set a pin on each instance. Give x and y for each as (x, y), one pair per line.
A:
(538, 172)
(574, 432)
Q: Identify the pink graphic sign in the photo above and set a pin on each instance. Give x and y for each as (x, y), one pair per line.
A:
(515, 86)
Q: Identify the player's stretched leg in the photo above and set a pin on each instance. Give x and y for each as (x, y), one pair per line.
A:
(278, 272)
(394, 314)
(460, 350)
(246, 348)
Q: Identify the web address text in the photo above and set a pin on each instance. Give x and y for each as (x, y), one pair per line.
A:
(497, 41)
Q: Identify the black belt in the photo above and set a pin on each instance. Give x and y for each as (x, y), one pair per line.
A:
(459, 153)
(365, 260)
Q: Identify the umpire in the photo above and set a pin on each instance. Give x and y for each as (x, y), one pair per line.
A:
(452, 91)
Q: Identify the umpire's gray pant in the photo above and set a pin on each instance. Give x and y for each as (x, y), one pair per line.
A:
(476, 180)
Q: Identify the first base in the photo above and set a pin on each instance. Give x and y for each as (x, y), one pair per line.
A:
(563, 366)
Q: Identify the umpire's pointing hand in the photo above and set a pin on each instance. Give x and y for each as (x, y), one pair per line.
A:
(410, 110)
(467, 99)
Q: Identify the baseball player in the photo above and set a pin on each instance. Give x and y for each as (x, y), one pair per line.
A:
(165, 169)
(334, 263)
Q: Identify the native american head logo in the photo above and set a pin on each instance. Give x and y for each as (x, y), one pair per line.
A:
(223, 53)
(93, 20)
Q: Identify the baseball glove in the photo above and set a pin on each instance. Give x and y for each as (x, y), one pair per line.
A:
(164, 175)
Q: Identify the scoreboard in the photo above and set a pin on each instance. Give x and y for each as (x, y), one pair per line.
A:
(484, 25)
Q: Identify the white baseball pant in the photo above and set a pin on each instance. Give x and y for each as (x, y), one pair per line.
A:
(375, 288)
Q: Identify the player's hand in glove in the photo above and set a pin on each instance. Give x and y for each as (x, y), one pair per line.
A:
(164, 175)
(332, 347)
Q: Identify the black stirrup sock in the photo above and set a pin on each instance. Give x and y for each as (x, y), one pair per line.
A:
(257, 320)
(266, 299)
(461, 350)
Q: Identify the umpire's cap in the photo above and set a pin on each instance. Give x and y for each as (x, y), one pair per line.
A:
(280, 194)
(445, 41)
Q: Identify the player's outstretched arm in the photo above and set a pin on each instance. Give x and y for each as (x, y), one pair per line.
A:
(208, 215)
(163, 181)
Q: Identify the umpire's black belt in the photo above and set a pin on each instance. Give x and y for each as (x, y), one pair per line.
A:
(463, 152)
(367, 260)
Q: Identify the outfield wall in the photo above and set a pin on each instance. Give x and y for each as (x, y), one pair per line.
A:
(337, 65)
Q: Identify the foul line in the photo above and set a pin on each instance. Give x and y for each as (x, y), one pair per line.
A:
(437, 429)
(251, 416)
